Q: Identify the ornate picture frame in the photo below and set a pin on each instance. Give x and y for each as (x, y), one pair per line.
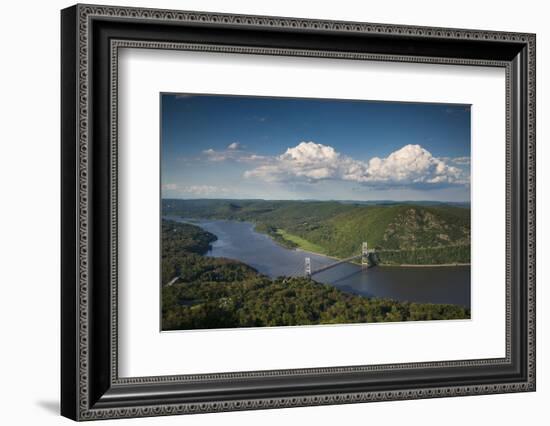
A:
(91, 37)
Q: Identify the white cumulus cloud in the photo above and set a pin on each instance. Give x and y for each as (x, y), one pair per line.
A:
(234, 146)
(412, 164)
(308, 160)
(311, 161)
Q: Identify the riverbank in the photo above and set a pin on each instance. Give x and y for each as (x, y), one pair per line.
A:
(293, 242)
(239, 241)
(301, 242)
(432, 265)
(309, 247)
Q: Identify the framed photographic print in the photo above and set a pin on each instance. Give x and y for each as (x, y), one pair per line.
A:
(263, 212)
(231, 257)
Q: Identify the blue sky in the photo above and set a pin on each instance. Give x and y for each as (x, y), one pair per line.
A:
(216, 146)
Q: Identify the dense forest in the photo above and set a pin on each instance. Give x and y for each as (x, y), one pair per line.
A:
(404, 233)
(223, 293)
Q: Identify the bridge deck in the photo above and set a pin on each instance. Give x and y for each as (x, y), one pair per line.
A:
(332, 265)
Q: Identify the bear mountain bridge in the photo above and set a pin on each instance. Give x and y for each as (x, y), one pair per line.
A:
(364, 256)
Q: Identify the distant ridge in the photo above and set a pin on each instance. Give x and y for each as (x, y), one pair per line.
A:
(408, 232)
(465, 204)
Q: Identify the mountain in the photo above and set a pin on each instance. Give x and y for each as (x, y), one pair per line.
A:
(201, 292)
(401, 233)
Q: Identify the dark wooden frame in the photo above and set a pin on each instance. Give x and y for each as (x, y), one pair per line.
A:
(90, 386)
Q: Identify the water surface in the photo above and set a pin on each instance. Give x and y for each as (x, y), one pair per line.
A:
(238, 240)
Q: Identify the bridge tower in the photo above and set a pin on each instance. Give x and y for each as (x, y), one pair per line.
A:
(365, 254)
(308, 267)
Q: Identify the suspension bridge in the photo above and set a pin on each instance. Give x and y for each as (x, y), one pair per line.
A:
(364, 256)
(307, 267)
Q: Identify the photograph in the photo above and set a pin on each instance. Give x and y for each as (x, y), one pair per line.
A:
(273, 208)
(306, 211)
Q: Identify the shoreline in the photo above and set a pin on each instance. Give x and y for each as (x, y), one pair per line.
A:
(300, 249)
(382, 265)
(317, 254)
(388, 265)
(432, 265)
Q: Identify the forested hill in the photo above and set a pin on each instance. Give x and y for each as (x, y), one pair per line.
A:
(202, 292)
(401, 233)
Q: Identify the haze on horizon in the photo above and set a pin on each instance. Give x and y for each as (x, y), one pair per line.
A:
(313, 200)
(235, 147)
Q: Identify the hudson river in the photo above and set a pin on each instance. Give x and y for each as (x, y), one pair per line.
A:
(239, 241)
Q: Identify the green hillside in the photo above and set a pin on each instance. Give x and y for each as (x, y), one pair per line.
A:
(400, 233)
(223, 293)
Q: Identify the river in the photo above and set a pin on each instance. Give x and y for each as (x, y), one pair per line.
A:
(239, 240)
